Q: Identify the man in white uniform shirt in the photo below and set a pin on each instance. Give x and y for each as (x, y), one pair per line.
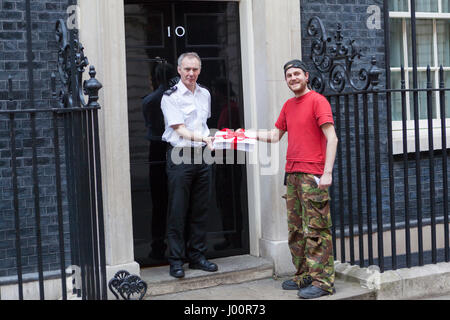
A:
(186, 108)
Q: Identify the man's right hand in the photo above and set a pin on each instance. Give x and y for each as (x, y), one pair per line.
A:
(209, 142)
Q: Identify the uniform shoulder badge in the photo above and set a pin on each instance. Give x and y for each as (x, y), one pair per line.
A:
(170, 91)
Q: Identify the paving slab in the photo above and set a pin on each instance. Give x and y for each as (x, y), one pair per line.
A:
(442, 297)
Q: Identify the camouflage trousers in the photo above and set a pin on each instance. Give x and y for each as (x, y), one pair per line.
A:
(309, 223)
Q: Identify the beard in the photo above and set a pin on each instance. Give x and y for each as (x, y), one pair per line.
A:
(299, 88)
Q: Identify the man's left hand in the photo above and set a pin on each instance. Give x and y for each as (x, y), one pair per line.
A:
(325, 181)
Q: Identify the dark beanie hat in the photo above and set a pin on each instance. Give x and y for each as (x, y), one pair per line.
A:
(295, 64)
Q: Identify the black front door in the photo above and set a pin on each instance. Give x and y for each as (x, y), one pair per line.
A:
(164, 30)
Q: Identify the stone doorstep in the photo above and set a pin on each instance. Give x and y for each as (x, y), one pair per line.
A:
(232, 270)
(400, 284)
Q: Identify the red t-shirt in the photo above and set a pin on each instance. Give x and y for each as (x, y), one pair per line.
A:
(301, 118)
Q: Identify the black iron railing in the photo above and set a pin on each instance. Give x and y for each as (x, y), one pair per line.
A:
(51, 155)
(376, 198)
(72, 134)
(363, 203)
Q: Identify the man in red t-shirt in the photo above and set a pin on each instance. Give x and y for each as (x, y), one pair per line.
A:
(311, 152)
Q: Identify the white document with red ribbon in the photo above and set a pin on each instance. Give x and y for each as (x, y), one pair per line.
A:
(229, 139)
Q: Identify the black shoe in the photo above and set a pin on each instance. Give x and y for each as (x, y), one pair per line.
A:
(312, 292)
(292, 285)
(176, 270)
(204, 265)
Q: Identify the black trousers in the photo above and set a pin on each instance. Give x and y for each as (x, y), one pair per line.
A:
(189, 189)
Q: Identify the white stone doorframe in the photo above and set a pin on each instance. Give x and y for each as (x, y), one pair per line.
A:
(270, 36)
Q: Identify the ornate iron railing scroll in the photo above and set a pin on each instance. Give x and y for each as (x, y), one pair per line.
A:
(72, 81)
(337, 59)
(129, 286)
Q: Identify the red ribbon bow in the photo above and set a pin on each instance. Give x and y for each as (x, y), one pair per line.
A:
(230, 134)
(236, 136)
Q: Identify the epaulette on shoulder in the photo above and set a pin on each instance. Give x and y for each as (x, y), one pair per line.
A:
(170, 91)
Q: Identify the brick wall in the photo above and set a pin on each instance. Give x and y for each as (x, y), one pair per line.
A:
(14, 63)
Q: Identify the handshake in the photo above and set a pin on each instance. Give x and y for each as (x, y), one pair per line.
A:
(230, 139)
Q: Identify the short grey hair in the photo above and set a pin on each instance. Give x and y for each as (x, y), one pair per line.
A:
(191, 55)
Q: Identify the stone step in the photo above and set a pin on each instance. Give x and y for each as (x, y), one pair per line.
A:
(232, 270)
(268, 289)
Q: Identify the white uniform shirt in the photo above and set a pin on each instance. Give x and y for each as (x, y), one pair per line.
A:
(190, 109)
